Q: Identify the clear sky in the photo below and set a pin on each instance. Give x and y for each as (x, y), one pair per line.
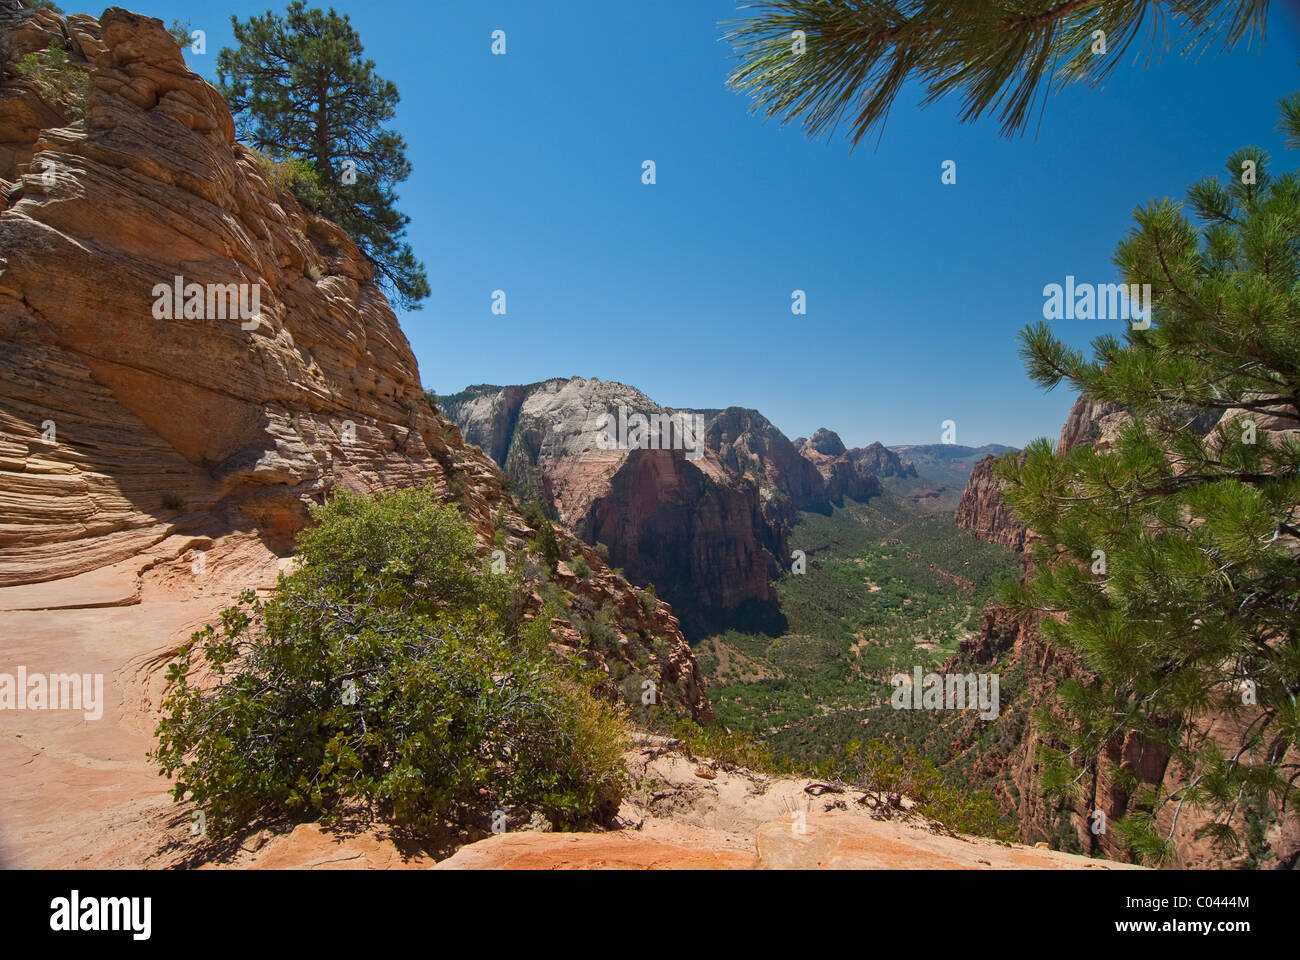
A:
(528, 179)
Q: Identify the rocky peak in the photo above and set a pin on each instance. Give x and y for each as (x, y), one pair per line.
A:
(826, 442)
(682, 519)
(880, 461)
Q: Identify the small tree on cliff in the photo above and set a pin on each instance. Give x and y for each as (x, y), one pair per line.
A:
(1175, 555)
(299, 88)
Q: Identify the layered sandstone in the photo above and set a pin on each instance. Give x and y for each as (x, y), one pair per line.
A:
(121, 428)
(151, 468)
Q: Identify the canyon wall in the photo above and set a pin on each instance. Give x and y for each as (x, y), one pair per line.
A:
(708, 528)
(123, 423)
(983, 512)
(676, 518)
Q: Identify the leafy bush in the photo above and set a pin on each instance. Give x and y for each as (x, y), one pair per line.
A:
(291, 175)
(386, 678)
(60, 83)
(881, 769)
(649, 599)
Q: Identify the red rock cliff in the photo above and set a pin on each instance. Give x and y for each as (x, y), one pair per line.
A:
(120, 427)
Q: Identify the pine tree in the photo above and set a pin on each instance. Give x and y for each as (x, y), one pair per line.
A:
(828, 61)
(300, 90)
(1174, 555)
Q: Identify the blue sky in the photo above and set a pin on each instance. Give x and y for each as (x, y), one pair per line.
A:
(528, 179)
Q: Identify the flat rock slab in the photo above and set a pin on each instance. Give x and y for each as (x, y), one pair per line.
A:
(663, 847)
(817, 842)
(837, 842)
(115, 586)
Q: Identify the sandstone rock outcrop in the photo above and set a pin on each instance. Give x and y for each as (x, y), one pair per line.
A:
(750, 445)
(983, 512)
(852, 473)
(677, 518)
(740, 820)
(1090, 421)
(122, 429)
(878, 460)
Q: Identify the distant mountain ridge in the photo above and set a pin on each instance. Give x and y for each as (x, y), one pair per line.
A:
(710, 530)
(942, 471)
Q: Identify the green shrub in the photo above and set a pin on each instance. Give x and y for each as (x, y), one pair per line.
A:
(548, 545)
(718, 743)
(878, 767)
(580, 566)
(293, 176)
(534, 512)
(384, 679)
(60, 83)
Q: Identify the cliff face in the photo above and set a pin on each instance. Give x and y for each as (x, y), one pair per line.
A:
(1091, 422)
(125, 421)
(118, 425)
(681, 519)
(983, 512)
(749, 445)
(710, 527)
